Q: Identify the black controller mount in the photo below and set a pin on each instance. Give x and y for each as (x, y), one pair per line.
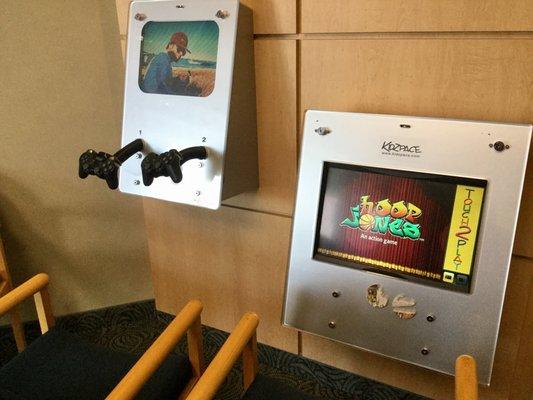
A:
(169, 163)
(106, 166)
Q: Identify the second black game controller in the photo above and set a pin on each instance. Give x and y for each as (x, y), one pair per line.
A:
(165, 164)
(169, 163)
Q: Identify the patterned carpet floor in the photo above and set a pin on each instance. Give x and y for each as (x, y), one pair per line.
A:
(132, 328)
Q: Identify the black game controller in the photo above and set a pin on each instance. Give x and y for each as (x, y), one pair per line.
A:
(169, 163)
(100, 164)
(106, 166)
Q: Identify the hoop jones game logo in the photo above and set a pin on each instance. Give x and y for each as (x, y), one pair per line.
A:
(399, 218)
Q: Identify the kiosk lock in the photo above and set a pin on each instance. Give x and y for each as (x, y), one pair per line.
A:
(105, 166)
(169, 163)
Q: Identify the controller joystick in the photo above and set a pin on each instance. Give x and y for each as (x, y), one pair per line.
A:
(169, 163)
(105, 166)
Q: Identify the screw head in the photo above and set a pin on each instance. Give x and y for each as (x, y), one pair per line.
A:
(430, 318)
(197, 193)
(140, 17)
(222, 14)
(335, 293)
(499, 146)
(322, 130)
(332, 324)
(136, 182)
(424, 351)
(200, 164)
(139, 155)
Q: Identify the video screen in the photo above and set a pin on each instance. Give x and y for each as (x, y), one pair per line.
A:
(420, 227)
(179, 58)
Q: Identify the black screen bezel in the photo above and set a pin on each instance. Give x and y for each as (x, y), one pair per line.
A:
(481, 183)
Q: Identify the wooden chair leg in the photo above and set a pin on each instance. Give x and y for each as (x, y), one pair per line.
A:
(250, 364)
(18, 330)
(466, 378)
(44, 310)
(196, 355)
(196, 348)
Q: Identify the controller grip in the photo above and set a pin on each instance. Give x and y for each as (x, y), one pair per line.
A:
(174, 171)
(82, 173)
(112, 181)
(147, 167)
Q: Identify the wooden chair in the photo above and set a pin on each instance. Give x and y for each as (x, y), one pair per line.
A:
(257, 387)
(58, 365)
(243, 341)
(5, 286)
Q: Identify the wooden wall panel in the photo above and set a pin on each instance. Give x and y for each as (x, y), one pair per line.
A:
(523, 372)
(275, 62)
(232, 260)
(270, 16)
(273, 16)
(122, 15)
(416, 15)
(432, 384)
(485, 79)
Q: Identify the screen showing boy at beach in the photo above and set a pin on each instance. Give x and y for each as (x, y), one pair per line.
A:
(179, 58)
(416, 226)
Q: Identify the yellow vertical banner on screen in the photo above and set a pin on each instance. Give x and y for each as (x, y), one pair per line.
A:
(463, 229)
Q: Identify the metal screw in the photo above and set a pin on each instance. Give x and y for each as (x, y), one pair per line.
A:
(335, 293)
(499, 146)
(136, 182)
(222, 14)
(180, 6)
(139, 155)
(140, 17)
(200, 164)
(322, 130)
(424, 351)
(197, 193)
(430, 318)
(332, 324)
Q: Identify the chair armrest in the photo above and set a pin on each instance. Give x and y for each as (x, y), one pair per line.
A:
(22, 292)
(241, 341)
(38, 288)
(465, 378)
(187, 319)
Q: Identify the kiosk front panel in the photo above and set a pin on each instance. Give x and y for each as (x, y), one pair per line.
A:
(403, 232)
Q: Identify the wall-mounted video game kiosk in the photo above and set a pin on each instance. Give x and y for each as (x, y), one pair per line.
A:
(189, 104)
(403, 232)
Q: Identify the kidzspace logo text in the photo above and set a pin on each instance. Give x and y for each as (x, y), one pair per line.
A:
(399, 218)
(399, 149)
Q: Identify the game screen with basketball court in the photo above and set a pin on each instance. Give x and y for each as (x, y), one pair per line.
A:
(416, 226)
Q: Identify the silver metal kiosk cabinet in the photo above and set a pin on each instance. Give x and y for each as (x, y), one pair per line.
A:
(209, 100)
(403, 232)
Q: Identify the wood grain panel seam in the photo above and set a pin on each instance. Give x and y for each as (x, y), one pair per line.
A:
(258, 211)
(398, 35)
(521, 257)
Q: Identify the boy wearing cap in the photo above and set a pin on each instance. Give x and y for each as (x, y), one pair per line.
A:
(158, 77)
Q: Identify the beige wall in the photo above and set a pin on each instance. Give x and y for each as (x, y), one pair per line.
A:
(61, 93)
(468, 59)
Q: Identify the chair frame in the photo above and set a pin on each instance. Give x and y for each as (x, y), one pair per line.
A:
(242, 341)
(187, 321)
(6, 285)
